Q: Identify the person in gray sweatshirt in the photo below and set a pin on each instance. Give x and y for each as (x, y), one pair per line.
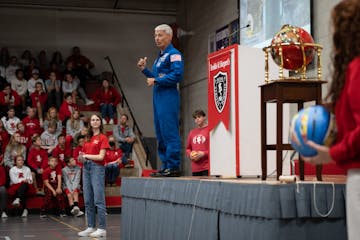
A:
(71, 174)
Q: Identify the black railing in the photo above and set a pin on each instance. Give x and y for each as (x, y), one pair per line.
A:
(124, 102)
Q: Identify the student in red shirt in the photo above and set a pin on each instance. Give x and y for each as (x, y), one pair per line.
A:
(25, 138)
(32, 123)
(53, 188)
(107, 98)
(10, 98)
(112, 161)
(4, 137)
(345, 99)
(78, 150)
(66, 108)
(61, 151)
(197, 148)
(37, 161)
(39, 100)
(94, 178)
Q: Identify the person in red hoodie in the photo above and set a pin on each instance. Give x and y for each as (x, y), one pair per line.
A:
(61, 151)
(25, 138)
(39, 100)
(107, 97)
(112, 161)
(66, 108)
(10, 98)
(37, 161)
(345, 101)
(32, 123)
(4, 137)
(197, 148)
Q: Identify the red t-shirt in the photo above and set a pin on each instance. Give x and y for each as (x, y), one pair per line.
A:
(4, 139)
(14, 97)
(51, 175)
(198, 140)
(2, 176)
(111, 96)
(66, 109)
(60, 154)
(95, 144)
(32, 126)
(36, 97)
(346, 151)
(37, 158)
(25, 139)
(112, 155)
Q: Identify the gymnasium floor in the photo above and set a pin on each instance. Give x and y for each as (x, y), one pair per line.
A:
(52, 228)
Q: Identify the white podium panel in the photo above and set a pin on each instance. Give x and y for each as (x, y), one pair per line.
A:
(235, 135)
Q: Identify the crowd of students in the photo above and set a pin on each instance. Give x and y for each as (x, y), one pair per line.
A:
(42, 132)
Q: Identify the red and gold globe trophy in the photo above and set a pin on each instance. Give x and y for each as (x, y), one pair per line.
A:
(292, 48)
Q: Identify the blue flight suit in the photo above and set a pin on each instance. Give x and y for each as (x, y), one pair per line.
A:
(168, 71)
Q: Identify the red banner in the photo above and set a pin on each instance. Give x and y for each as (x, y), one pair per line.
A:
(219, 89)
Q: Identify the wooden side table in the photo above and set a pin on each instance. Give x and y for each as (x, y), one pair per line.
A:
(280, 92)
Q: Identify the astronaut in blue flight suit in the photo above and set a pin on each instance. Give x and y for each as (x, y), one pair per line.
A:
(167, 72)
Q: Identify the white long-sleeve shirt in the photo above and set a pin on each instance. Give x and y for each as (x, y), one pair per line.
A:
(18, 86)
(10, 124)
(18, 175)
(69, 87)
(31, 85)
(10, 72)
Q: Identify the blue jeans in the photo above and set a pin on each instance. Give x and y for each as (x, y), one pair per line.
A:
(107, 109)
(94, 193)
(112, 171)
(126, 148)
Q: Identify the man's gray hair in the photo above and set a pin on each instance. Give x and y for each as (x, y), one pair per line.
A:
(164, 27)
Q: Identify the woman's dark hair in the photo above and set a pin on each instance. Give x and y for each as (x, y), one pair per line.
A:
(346, 23)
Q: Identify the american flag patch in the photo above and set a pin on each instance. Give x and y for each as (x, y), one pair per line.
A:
(175, 58)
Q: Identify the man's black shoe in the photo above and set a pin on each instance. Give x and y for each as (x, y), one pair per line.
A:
(157, 174)
(171, 173)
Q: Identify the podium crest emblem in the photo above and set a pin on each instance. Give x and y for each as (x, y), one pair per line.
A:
(220, 90)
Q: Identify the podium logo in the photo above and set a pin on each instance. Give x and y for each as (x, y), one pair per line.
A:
(220, 90)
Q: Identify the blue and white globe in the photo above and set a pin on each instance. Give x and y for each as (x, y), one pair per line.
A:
(314, 123)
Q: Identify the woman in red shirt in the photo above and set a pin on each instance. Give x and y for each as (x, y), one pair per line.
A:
(94, 150)
(107, 97)
(345, 99)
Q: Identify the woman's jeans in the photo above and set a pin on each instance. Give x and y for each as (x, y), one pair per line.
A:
(94, 193)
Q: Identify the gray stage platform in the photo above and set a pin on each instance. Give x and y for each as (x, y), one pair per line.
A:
(185, 208)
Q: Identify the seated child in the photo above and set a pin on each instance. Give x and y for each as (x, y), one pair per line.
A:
(21, 184)
(71, 185)
(52, 187)
(62, 150)
(112, 160)
(78, 149)
(37, 161)
(49, 137)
